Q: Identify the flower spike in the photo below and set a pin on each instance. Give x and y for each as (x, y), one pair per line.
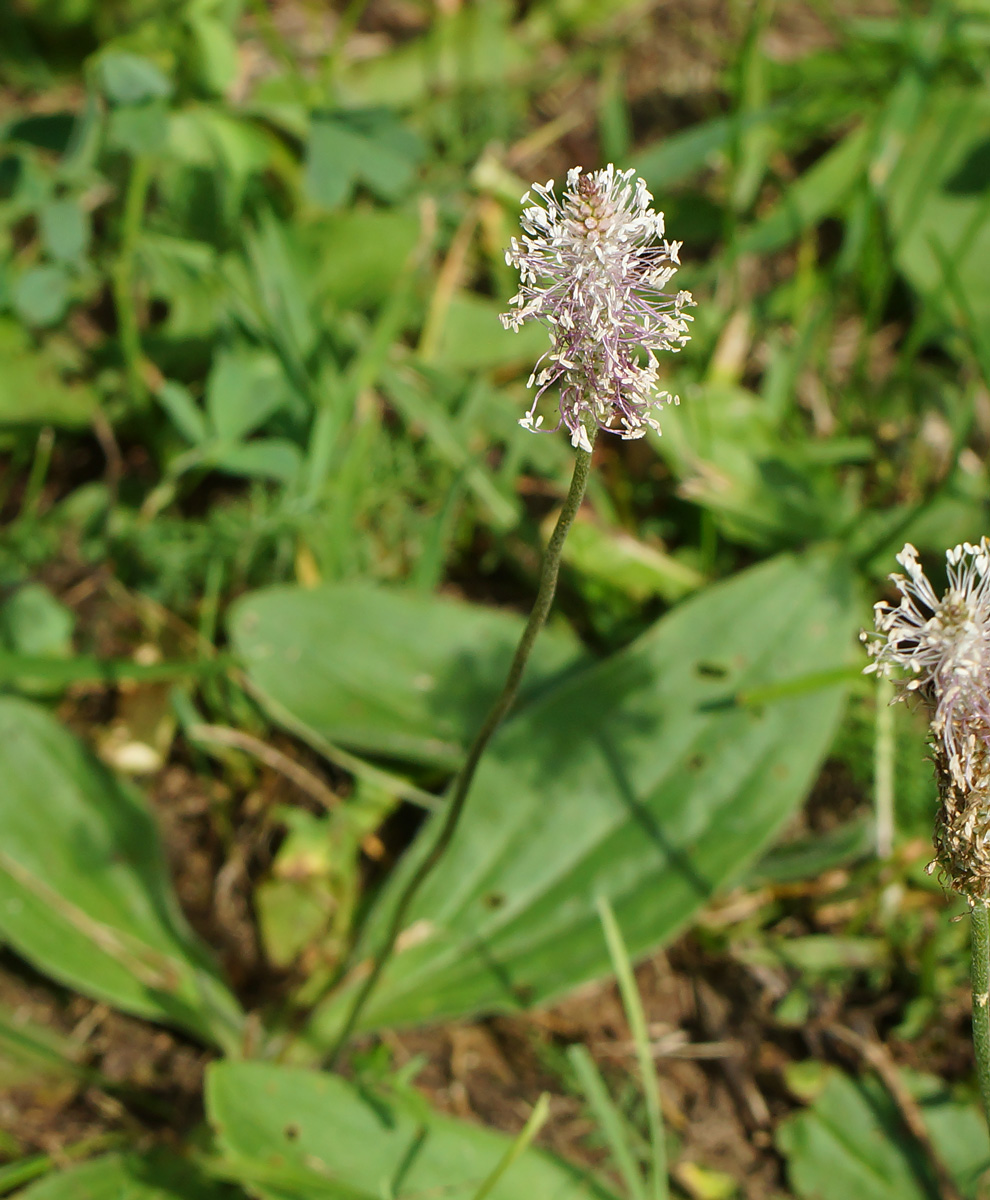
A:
(592, 268)
(941, 647)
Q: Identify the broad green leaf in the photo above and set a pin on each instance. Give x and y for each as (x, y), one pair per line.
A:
(852, 1142)
(65, 230)
(84, 892)
(41, 294)
(131, 78)
(32, 389)
(34, 624)
(186, 275)
(138, 128)
(184, 411)
(392, 673)
(216, 50)
(639, 778)
(349, 148)
(32, 621)
(292, 1134)
(156, 1176)
(264, 458)
(244, 389)
(207, 136)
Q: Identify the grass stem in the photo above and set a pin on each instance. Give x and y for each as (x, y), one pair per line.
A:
(622, 965)
(454, 806)
(537, 1119)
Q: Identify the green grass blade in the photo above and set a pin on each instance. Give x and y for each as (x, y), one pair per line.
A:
(610, 1121)
(537, 1119)
(637, 1025)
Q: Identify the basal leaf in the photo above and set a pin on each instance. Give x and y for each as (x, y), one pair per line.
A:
(84, 892)
(852, 1142)
(157, 1176)
(291, 1134)
(639, 778)
(391, 673)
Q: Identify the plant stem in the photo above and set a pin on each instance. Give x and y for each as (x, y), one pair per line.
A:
(981, 1007)
(454, 806)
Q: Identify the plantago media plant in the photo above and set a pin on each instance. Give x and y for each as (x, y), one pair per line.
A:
(592, 268)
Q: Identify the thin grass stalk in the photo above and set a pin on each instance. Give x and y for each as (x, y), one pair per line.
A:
(611, 1123)
(633, 1005)
(455, 805)
(537, 1119)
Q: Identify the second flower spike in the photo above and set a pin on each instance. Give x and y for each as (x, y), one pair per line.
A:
(938, 648)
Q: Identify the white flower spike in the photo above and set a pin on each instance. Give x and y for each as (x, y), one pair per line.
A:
(942, 646)
(592, 268)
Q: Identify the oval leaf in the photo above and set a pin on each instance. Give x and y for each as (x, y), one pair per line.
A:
(852, 1142)
(392, 673)
(157, 1176)
(291, 1134)
(641, 779)
(84, 891)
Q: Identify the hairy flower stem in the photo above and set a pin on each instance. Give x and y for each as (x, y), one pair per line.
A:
(457, 801)
(981, 1006)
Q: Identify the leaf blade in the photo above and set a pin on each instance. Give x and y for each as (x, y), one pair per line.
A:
(84, 892)
(638, 778)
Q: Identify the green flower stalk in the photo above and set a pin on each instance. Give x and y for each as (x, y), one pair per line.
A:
(591, 269)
